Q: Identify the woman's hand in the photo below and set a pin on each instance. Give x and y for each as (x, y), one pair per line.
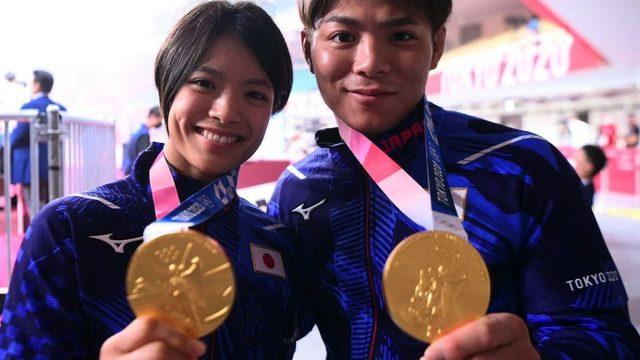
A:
(148, 338)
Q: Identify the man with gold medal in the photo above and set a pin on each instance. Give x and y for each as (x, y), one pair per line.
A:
(434, 280)
(169, 263)
(376, 285)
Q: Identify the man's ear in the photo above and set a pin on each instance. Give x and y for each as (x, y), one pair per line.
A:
(438, 46)
(305, 40)
(589, 168)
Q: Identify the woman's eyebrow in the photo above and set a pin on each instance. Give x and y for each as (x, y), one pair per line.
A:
(220, 75)
(260, 82)
(209, 70)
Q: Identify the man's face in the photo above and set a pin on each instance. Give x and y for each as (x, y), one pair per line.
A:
(35, 86)
(155, 121)
(371, 60)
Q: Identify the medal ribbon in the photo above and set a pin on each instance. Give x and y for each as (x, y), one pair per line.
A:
(401, 188)
(173, 216)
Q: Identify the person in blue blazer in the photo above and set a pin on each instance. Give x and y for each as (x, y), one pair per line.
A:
(20, 161)
(140, 140)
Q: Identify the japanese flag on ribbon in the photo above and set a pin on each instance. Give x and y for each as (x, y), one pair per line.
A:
(267, 261)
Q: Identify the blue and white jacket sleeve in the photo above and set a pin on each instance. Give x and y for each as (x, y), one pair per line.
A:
(572, 296)
(41, 317)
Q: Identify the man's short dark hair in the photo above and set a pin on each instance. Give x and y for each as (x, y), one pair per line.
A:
(596, 157)
(436, 11)
(154, 111)
(45, 79)
(195, 33)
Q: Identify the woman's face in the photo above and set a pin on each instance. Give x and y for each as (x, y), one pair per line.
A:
(220, 114)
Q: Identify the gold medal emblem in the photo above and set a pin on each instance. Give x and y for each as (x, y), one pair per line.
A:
(184, 278)
(434, 281)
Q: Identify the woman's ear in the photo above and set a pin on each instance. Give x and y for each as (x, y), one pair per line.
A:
(305, 40)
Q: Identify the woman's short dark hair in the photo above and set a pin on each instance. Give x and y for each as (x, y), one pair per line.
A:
(436, 11)
(194, 34)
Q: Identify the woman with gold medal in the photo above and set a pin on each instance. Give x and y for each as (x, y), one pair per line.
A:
(379, 286)
(143, 267)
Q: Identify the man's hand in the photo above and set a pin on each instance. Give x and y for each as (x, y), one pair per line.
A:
(147, 338)
(493, 336)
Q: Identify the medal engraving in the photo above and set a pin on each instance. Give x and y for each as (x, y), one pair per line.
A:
(183, 278)
(434, 281)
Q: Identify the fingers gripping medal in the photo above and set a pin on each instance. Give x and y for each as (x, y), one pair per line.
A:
(432, 281)
(182, 276)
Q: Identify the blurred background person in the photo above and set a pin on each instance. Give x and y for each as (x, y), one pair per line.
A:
(633, 133)
(563, 133)
(20, 162)
(608, 132)
(140, 139)
(589, 161)
(12, 95)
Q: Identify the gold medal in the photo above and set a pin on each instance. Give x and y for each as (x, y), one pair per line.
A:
(184, 278)
(434, 281)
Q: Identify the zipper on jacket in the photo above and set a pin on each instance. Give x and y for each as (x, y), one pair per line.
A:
(367, 242)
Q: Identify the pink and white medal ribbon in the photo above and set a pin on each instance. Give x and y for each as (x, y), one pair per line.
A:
(173, 216)
(401, 188)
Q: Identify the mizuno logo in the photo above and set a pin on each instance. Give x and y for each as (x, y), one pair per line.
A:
(117, 245)
(306, 212)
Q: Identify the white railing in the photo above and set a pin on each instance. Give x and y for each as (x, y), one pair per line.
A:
(81, 155)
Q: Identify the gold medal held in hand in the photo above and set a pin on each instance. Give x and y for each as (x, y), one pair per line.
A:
(434, 281)
(184, 278)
